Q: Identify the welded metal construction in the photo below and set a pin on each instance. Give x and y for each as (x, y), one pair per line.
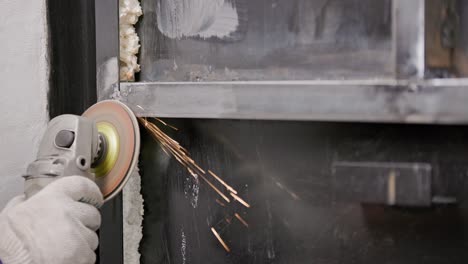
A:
(319, 61)
(359, 101)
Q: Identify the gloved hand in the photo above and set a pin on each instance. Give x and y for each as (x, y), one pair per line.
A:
(55, 226)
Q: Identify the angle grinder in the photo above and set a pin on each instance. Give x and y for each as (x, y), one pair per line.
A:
(103, 145)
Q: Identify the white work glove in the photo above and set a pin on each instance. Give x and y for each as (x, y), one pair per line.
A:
(55, 226)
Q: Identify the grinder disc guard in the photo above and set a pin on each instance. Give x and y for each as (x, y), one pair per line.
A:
(120, 145)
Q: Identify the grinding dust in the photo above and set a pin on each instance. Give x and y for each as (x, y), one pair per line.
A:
(183, 246)
(173, 149)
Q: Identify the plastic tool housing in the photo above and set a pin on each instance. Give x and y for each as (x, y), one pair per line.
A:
(102, 145)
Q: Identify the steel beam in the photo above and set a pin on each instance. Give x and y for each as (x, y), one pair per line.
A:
(439, 101)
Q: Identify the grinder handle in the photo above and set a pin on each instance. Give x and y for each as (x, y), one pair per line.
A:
(67, 149)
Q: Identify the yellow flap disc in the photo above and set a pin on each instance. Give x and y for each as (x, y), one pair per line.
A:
(119, 145)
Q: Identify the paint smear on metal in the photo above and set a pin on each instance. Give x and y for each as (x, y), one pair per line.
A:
(196, 18)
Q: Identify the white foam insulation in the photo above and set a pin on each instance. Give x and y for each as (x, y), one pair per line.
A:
(129, 12)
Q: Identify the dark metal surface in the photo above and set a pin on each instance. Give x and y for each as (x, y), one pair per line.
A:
(107, 47)
(440, 101)
(284, 170)
(111, 232)
(107, 75)
(384, 183)
(72, 74)
(276, 40)
(461, 51)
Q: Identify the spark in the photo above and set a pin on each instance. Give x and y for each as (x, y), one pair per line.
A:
(172, 147)
(220, 240)
(241, 220)
(166, 124)
(220, 203)
(160, 121)
(214, 188)
(229, 188)
(291, 193)
(244, 203)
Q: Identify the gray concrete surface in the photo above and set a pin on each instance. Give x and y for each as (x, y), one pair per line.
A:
(24, 85)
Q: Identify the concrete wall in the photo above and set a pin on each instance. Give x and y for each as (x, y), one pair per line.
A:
(24, 84)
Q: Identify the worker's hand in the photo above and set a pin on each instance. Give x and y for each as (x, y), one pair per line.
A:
(56, 226)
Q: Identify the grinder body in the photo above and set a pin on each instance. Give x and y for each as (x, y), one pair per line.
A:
(69, 146)
(102, 145)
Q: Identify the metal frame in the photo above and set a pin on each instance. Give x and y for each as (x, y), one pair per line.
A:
(408, 100)
(441, 101)
(107, 73)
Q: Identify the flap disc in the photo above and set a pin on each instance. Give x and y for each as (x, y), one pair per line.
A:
(119, 145)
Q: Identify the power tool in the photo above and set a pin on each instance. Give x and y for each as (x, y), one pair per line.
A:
(103, 145)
